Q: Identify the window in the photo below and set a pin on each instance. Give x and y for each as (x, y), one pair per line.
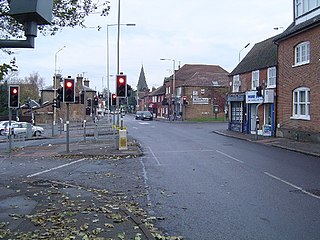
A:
(255, 79)
(236, 113)
(302, 53)
(304, 6)
(272, 77)
(236, 83)
(301, 103)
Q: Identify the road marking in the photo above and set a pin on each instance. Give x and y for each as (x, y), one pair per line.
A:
(134, 128)
(144, 123)
(145, 179)
(155, 157)
(228, 156)
(292, 185)
(55, 168)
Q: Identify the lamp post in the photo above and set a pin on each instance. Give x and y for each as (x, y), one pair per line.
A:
(278, 28)
(55, 89)
(173, 81)
(242, 50)
(108, 59)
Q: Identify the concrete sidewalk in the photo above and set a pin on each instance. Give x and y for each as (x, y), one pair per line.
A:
(308, 148)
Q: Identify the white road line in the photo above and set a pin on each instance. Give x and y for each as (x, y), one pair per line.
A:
(186, 151)
(145, 178)
(55, 168)
(235, 159)
(155, 157)
(292, 185)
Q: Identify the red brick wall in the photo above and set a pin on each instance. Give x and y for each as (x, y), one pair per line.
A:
(290, 78)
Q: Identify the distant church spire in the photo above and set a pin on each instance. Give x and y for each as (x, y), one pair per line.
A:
(142, 83)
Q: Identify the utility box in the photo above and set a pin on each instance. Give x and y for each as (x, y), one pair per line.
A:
(122, 141)
(39, 11)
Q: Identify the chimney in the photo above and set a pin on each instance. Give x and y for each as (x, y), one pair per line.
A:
(79, 81)
(86, 82)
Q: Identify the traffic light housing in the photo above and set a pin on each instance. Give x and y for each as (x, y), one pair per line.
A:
(60, 94)
(259, 91)
(121, 85)
(184, 100)
(69, 91)
(113, 99)
(14, 96)
(96, 101)
(89, 102)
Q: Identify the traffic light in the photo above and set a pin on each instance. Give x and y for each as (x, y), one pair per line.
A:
(69, 91)
(82, 97)
(89, 102)
(121, 85)
(60, 94)
(96, 101)
(259, 91)
(184, 100)
(113, 99)
(14, 96)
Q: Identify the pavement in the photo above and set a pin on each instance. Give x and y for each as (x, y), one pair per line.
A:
(125, 220)
(308, 148)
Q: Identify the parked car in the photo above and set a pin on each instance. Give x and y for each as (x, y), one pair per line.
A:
(2, 126)
(144, 115)
(20, 128)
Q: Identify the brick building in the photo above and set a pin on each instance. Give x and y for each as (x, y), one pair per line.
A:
(298, 111)
(204, 86)
(78, 112)
(248, 112)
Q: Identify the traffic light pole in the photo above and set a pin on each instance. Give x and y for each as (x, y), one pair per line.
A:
(9, 134)
(67, 125)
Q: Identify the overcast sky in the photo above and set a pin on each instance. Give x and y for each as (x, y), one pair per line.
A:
(202, 32)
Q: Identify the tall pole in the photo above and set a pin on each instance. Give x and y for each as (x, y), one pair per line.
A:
(242, 50)
(108, 75)
(55, 90)
(174, 88)
(118, 41)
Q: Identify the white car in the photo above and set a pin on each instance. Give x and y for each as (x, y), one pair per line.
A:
(2, 126)
(20, 128)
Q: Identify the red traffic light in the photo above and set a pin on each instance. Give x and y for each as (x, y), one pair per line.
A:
(14, 96)
(121, 86)
(68, 91)
(69, 84)
(114, 96)
(121, 80)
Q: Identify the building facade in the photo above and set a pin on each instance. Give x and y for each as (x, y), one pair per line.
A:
(252, 111)
(298, 112)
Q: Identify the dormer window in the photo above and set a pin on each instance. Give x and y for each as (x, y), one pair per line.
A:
(305, 6)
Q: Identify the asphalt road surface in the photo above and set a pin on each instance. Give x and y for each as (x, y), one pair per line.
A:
(206, 186)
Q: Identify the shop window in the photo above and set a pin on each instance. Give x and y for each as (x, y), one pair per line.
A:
(236, 111)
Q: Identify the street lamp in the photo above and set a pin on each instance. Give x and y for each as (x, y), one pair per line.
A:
(173, 80)
(278, 28)
(243, 49)
(108, 64)
(55, 89)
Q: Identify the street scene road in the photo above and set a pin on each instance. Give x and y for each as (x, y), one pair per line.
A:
(208, 186)
(187, 181)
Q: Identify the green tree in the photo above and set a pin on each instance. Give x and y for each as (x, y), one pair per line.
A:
(3, 98)
(66, 13)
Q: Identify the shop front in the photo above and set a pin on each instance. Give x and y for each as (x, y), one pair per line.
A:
(261, 110)
(237, 112)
